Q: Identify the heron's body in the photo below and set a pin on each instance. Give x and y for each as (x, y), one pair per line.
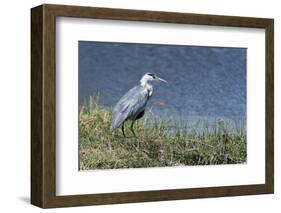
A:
(132, 105)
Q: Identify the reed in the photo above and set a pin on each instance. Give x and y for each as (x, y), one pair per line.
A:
(159, 142)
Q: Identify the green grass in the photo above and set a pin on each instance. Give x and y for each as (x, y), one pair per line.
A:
(201, 144)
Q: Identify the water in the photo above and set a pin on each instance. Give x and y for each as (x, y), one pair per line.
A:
(204, 82)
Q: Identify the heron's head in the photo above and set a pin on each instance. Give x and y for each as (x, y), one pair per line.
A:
(150, 77)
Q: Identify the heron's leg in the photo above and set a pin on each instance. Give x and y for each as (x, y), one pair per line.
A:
(123, 131)
(132, 128)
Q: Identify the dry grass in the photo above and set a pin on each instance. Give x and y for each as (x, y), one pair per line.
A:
(202, 144)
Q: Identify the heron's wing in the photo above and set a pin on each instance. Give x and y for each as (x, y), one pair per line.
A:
(129, 106)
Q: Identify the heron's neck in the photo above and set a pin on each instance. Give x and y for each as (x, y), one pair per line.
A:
(144, 83)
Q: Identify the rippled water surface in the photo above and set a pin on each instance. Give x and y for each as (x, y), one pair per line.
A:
(205, 83)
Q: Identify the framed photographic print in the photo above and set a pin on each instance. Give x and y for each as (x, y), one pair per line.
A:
(135, 106)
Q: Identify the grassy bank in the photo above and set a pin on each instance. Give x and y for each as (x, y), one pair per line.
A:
(201, 144)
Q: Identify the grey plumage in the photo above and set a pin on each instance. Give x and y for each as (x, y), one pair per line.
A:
(132, 105)
(129, 106)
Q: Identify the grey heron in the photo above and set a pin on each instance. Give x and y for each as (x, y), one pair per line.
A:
(132, 105)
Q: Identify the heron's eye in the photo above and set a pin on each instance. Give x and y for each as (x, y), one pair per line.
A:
(152, 75)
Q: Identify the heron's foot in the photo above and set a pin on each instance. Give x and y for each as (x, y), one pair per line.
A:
(134, 135)
(123, 131)
(132, 129)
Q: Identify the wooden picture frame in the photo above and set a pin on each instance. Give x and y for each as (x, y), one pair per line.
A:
(43, 105)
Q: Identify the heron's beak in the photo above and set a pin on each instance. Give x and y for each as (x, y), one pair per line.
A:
(161, 80)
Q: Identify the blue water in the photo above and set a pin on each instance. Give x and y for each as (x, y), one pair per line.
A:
(204, 82)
